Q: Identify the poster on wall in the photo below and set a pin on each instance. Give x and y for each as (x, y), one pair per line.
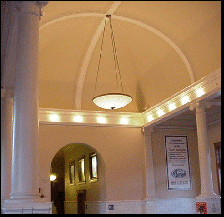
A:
(201, 208)
(177, 159)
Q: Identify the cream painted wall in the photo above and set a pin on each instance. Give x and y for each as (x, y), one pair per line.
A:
(122, 150)
(159, 162)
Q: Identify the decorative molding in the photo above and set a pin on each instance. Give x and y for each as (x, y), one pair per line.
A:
(210, 85)
(90, 118)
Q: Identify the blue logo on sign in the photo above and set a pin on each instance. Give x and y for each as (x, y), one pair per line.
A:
(178, 173)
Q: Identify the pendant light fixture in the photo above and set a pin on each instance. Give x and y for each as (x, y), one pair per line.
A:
(111, 100)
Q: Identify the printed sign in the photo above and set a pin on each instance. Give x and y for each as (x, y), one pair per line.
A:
(201, 207)
(178, 168)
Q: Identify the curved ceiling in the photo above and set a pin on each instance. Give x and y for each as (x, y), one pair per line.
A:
(162, 47)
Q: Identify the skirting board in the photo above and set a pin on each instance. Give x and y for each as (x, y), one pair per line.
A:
(152, 206)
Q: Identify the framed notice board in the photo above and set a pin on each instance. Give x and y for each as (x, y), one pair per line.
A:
(177, 160)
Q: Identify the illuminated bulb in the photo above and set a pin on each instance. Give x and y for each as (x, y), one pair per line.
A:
(150, 118)
(160, 113)
(172, 106)
(52, 177)
(78, 118)
(124, 121)
(101, 120)
(54, 118)
(200, 92)
(185, 100)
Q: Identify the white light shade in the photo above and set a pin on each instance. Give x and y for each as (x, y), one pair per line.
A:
(112, 100)
(52, 177)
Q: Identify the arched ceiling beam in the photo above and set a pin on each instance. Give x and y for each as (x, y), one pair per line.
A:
(96, 37)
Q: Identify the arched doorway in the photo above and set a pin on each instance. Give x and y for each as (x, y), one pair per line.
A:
(79, 186)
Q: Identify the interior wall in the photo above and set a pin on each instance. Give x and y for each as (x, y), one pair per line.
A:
(122, 150)
(159, 162)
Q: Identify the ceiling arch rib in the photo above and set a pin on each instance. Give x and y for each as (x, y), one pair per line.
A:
(89, 52)
(96, 37)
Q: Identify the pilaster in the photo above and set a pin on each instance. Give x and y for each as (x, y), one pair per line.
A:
(207, 196)
(150, 198)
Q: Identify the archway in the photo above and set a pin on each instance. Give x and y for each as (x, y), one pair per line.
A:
(80, 173)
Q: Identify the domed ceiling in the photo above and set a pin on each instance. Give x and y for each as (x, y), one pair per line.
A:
(162, 47)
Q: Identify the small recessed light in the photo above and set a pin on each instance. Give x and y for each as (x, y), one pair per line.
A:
(200, 92)
(150, 118)
(185, 99)
(172, 106)
(78, 118)
(101, 120)
(124, 121)
(160, 113)
(54, 118)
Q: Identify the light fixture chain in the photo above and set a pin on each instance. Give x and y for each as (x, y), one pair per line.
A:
(114, 52)
(115, 57)
(101, 51)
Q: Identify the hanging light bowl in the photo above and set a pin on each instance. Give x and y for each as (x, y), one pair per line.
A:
(112, 100)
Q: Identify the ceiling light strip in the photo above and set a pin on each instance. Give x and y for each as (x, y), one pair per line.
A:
(205, 87)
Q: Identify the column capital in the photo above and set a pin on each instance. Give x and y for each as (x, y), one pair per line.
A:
(41, 5)
(3, 91)
(199, 105)
(147, 131)
(6, 93)
(31, 7)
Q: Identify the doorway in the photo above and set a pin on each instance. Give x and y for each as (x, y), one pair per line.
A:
(81, 198)
(58, 185)
(77, 166)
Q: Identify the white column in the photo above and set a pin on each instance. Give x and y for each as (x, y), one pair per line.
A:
(151, 200)
(204, 152)
(207, 194)
(25, 197)
(25, 132)
(6, 143)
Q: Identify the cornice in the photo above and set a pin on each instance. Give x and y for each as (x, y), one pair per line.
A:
(197, 92)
